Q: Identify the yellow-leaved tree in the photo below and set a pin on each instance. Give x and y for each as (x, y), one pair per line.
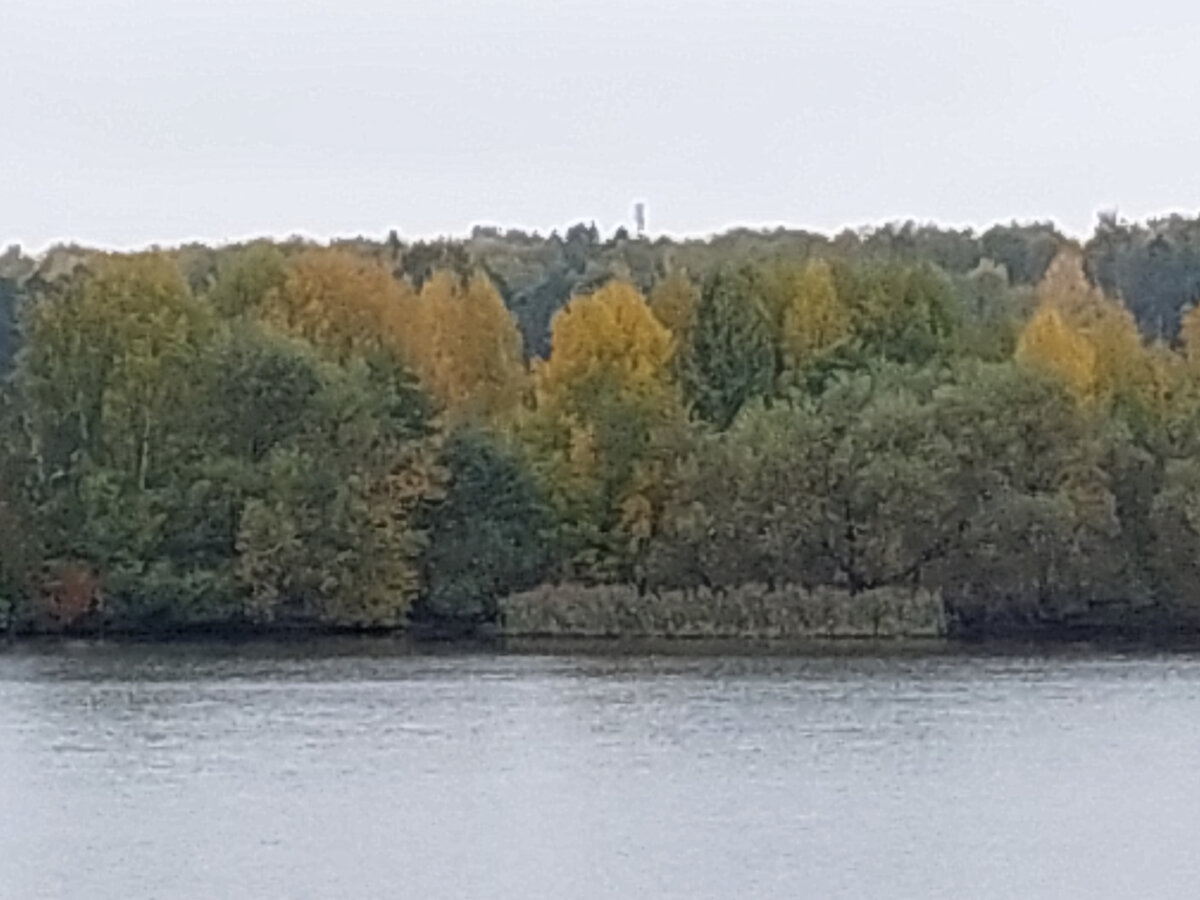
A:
(1072, 312)
(609, 335)
(1050, 345)
(343, 304)
(814, 317)
(605, 428)
(465, 347)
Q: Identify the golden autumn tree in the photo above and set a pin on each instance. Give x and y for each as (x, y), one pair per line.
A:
(814, 317)
(1050, 345)
(1066, 288)
(465, 347)
(607, 414)
(1120, 366)
(341, 303)
(610, 335)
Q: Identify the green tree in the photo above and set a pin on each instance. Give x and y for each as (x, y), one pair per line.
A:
(248, 279)
(104, 364)
(1175, 555)
(992, 311)
(850, 488)
(902, 313)
(730, 358)
(333, 537)
(1043, 539)
(490, 534)
(673, 302)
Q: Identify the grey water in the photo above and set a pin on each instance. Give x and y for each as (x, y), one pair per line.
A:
(367, 769)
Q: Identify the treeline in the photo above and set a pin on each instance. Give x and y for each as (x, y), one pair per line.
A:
(373, 433)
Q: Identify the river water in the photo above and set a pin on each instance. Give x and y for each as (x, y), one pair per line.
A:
(350, 770)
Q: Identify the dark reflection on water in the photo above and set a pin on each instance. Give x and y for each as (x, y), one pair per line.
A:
(363, 769)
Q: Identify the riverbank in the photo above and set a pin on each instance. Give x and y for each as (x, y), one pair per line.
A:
(750, 613)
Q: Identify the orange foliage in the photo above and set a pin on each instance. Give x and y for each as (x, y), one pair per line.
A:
(69, 594)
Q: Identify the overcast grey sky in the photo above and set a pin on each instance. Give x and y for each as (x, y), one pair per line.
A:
(133, 121)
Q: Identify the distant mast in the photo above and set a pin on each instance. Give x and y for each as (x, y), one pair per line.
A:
(639, 217)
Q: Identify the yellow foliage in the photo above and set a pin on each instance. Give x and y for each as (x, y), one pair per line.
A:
(814, 317)
(608, 415)
(464, 345)
(610, 334)
(342, 303)
(1066, 288)
(1050, 345)
(1120, 364)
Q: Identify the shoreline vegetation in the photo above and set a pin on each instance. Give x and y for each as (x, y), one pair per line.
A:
(908, 432)
(751, 612)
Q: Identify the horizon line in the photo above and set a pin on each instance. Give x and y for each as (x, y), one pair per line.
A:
(763, 226)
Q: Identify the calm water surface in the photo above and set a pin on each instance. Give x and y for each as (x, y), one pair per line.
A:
(364, 770)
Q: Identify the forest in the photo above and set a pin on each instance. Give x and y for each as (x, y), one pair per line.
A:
(374, 434)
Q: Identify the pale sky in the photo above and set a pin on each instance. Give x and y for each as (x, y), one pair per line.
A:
(127, 122)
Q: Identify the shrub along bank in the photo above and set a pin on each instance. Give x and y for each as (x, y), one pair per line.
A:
(750, 612)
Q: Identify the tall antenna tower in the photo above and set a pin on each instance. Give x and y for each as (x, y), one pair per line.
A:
(639, 217)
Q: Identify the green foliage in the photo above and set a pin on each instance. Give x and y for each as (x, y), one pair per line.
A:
(20, 557)
(991, 311)
(986, 483)
(255, 389)
(1025, 251)
(491, 534)
(238, 437)
(245, 280)
(1044, 538)
(1154, 268)
(213, 474)
(730, 355)
(332, 537)
(10, 299)
(852, 488)
(1175, 520)
(901, 313)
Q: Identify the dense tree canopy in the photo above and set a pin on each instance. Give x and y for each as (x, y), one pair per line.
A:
(370, 433)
